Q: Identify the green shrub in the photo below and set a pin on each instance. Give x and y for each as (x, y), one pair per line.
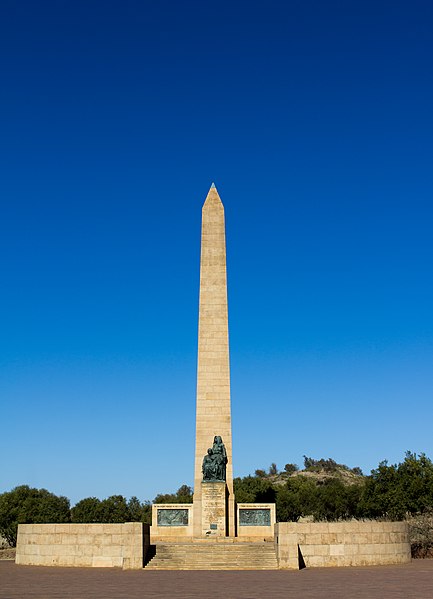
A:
(291, 468)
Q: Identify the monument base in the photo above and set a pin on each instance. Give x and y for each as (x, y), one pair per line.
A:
(214, 509)
(171, 521)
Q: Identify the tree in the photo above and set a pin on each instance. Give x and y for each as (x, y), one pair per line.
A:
(337, 501)
(26, 505)
(139, 512)
(147, 512)
(291, 468)
(273, 470)
(252, 489)
(183, 495)
(288, 506)
(331, 465)
(297, 498)
(135, 509)
(416, 480)
(328, 465)
(393, 491)
(309, 463)
(113, 509)
(87, 510)
(260, 473)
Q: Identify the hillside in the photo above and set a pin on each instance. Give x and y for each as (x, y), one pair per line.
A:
(321, 476)
(319, 471)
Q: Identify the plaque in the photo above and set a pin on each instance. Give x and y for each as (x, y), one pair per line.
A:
(172, 517)
(255, 517)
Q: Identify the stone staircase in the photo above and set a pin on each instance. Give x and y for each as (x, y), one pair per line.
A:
(213, 556)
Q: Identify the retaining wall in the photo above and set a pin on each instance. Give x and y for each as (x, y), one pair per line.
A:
(321, 544)
(87, 545)
(297, 544)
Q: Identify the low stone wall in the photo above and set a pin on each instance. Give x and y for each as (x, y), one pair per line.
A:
(86, 545)
(322, 544)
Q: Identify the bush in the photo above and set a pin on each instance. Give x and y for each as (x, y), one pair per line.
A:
(273, 470)
(309, 463)
(421, 534)
(25, 505)
(328, 465)
(291, 468)
(260, 473)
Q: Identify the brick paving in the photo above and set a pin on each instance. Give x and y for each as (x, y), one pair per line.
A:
(411, 581)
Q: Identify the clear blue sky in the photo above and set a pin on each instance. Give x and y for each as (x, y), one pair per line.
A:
(314, 119)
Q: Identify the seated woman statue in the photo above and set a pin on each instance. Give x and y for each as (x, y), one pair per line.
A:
(208, 466)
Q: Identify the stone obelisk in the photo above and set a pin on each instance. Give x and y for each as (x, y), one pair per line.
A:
(213, 416)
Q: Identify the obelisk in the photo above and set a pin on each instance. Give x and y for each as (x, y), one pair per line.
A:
(213, 413)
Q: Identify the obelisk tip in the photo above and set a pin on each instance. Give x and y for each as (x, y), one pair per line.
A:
(212, 198)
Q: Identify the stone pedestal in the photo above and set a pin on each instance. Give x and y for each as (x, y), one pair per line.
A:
(214, 509)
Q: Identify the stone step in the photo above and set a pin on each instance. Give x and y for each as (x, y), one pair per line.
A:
(215, 556)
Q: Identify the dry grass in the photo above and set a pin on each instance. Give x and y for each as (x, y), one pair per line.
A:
(421, 534)
(7, 553)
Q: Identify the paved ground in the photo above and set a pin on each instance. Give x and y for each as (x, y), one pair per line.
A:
(412, 581)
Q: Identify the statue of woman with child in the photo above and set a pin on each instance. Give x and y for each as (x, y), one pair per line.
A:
(214, 462)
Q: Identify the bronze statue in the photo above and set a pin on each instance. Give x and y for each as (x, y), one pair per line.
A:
(214, 462)
(208, 468)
